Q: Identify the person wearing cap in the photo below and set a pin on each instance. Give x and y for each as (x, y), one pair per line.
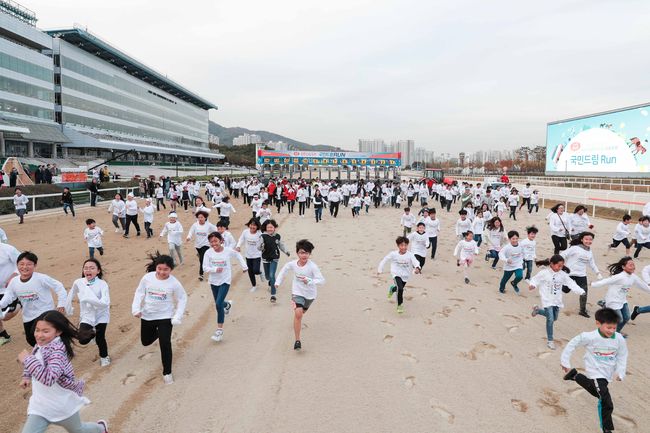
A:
(148, 210)
(174, 231)
(131, 215)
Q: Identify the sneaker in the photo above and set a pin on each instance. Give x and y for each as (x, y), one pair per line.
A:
(228, 306)
(466, 280)
(200, 277)
(297, 345)
(400, 309)
(273, 299)
(550, 345)
(601, 303)
(535, 311)
(571, 375)
(138, 234)
(105, 362)
(494, 268)
(125, 236)
(104, 425)
(4, 340)
(252, 289)
(584, 314)
(635, 312)
(117, 230)
(218, 335)
(168, 379)
(262, 277)
(512, 283)
(391, 290)
(487, 258)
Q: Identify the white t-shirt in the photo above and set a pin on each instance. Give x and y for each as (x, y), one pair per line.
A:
(550, 285)
(94, 300)
(305, 278)
(131, 207)
(465, 250)
(154, 298)
(253, 243)
(174, 232)
(401, 265)
(200, 233)
(8, 257)
(35, 295)
(218, 267)
(604, 356)
(148, 212)
(94, 237)
(619, 286)
(514, 255)
(118, 207)
(20, 201)
(419, 243)
(529, 248)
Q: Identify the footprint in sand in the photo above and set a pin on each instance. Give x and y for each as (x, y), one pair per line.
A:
(428, 321)
(410, 356)
(125, 328)
(550, 403)
(479, 326)
(442, 412)
(130, 378)
(576, 392)
(409, 381)
(473, 310)
(446, 311)
(387, 322)
(512, 329)
(543, 355)
(513, 317)
(145, 356)
(408, 298)
(424, 294)
(388, 338)
(457, 299)
(625, 421)
(484, 347)
(367, 310)
(519, 405)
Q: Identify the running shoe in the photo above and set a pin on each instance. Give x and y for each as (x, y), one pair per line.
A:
(297, 345)
(550, 345)
(104, 425)
(571, 375)
(168, 379)
(200, 277)
(117, 230)
(466, 280)
(273, 299)
(601, 303)
(635, 312)
(218, 335)
(400, 309)
(4, 340)
(105, 362)
(584, 314)
(262, 277)
(512, 283)
(391, 290)
(253, 289)
(228, 306)
(535, 311)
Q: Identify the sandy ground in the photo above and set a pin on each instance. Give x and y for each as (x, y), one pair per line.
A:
(462, 358)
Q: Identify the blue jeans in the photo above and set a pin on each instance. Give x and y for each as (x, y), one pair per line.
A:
(67, 206)
(624, 316)
(37, 424)
(478, 239)
(551, 314)
(506, 276)
(494, 254)
(645, 309)
(219, 293)
(269, 270)
(528, 267)
(91, 251)
(319, 213)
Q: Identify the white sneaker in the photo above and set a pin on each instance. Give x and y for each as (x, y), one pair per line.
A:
(105, 362)
(168, 379)
(117, 230)
(228, 306)
(218, 335)
(253, 289)
(262, 277)
(550, 345)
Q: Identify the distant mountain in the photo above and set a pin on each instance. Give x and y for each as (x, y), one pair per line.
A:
(226, 136)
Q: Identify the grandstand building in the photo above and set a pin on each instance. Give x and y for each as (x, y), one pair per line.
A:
(67, 93)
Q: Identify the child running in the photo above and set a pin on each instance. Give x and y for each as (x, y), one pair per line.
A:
(463, 224)
(621, 281)
(228, 239)
(419, 242)
(252, 238)
(93, 236)
(147, 211)
(8, 258)
(605, 360)
(216, 262)
(94, 307)
(622, 232)
(159, 303)
(57, 396)
(464, 252)
(529, 245)
(174, 231)
(577, 257)
(402, 264)
(20, 204)
(306, 276)
(271, 246)
(200, 231)
(495, 237)
(513, 257)
(407, 220)
(34, 292)
(550, 283)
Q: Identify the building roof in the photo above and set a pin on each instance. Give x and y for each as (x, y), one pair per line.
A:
(34, 131)
(94, 45)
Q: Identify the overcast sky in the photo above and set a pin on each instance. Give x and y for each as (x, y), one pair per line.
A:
(452, 75)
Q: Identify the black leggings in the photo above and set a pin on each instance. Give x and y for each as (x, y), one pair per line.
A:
(131, 219)
(201, 252)
(253, 268)
(290, 204)
(639, 247)
(161, 330)
(434, 246)
(301, 207)
(513, 210)
(421, 259)
(598, 388)
(147, 229)
(160, 201)
(399, 284)
(29, 332)
(559, 243)
(99, 335)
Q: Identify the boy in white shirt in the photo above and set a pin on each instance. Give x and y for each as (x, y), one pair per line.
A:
(20, 203)
(622, 232)
(605, 360)
(402, 263)
(528, 245)
(93, 236)
(513, 258)
(303, 288)
(407, 220)
(463, 224)
(174, 231)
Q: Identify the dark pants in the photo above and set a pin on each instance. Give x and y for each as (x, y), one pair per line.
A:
(318, 211)
(225, 220)
(67, 206)
(91, 251)
(93, 198)
(160, 201)
(201, 252)
(161, 330)
(301, 207)
(147, 229)
(131, 219)
(434, 246)
(598, 388)
(399, 288)
(526, 202)
(99, 335)
(29, 332)
(219, 294)
(639, 247)
(582, 282)
(559, 243)
(421, 260)
(269, 270)
(290, 205)
(513, 210)
(506, 276)
(334, 208)
(253, 269)
(528, 267)
(493, 254)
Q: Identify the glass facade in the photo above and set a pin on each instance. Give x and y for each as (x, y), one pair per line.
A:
(13, 63)
(98, 95)
(12, 107)
(26, 89)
